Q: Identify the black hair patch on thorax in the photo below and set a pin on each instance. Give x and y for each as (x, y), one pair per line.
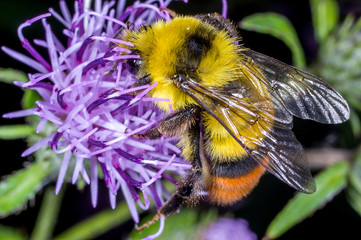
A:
(197, 44)
(195, 47)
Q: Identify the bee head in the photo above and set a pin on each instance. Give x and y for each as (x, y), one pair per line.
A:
(134, 65)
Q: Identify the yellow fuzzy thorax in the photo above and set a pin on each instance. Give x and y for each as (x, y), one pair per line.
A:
(159, 46)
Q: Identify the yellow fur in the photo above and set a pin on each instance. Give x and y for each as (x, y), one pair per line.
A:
(157, 44)
(221, 63)
(219, 66)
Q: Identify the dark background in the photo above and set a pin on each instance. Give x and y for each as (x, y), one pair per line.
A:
(335, 221)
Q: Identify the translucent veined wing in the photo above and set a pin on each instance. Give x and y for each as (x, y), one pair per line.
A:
(302, 94)
(271, 143)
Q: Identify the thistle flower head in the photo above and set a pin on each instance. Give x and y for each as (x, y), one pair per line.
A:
(230, 229)
(85, 94)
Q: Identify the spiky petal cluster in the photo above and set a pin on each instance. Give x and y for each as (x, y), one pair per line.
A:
(88, 101)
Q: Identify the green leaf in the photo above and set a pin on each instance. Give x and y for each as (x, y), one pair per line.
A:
(329, 183)
(280, 27)
(354, 187)
(10, 75)
(10, 233)
(98, 224)
(325, 14)
(15, 131)
(181, 226)
(19, 187)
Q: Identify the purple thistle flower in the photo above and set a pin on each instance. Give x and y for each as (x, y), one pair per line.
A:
(230, 229)
(90, 106)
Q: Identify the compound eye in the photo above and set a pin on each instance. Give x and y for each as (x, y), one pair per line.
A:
(134, 65)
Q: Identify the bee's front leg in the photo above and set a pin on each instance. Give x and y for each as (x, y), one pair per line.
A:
(140, 82)
(174, 124)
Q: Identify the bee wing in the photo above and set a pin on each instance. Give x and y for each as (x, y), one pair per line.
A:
(283, 156)
(300, 93)
(277, 149)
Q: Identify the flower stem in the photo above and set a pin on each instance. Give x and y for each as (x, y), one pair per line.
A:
(48, 215)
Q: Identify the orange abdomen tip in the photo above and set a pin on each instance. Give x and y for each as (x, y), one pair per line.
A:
(226, 191)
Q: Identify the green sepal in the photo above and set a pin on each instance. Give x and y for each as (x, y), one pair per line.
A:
(19, 187)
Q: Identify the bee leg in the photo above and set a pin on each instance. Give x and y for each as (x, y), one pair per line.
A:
(140, 82)
(187, 194)
(172, 13)
(189, 189)
(174, 124)
(113, 69)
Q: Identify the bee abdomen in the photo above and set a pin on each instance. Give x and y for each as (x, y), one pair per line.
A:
(228, 190)
(234, 167)
(230, 181)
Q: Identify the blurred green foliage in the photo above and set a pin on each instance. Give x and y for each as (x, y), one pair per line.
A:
(330, 182)
(187, 224)
(279, 27)
(10, 233)
(338, 61)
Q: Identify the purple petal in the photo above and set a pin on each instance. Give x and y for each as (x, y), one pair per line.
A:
(129, 199)
(62, 171)
(94, 180)
(25, 43)
(54, 142)
(159, 173)
(41, 143)
(112, 200)
(85, 44)
(24, 59)
(65, 11)
(128, 156)
(128, 179)
(19, 114)
(224, 8)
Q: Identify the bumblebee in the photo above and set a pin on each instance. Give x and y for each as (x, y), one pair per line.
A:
(233, 107)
